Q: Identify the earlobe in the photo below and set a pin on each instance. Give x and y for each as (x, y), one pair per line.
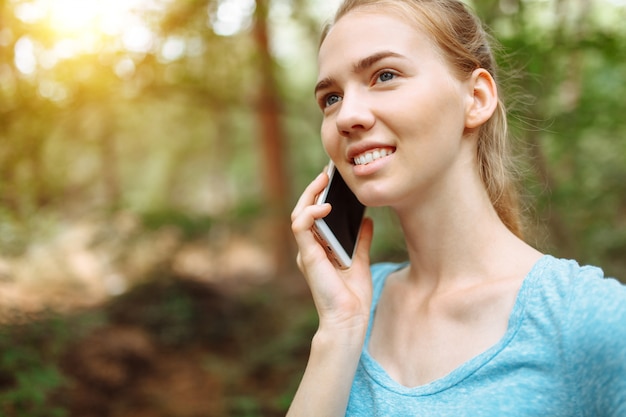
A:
(483, 98)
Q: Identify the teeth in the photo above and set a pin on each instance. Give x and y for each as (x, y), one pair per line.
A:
(371, 156)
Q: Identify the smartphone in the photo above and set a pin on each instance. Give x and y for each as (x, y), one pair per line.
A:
(339, 231)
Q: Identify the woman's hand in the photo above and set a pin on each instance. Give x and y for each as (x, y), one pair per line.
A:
(342, 297)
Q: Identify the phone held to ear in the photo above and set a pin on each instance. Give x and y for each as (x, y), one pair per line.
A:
(338, 232)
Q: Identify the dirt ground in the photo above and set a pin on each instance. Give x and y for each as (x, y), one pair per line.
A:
(168, 348)
(185, 349)
(163, 328)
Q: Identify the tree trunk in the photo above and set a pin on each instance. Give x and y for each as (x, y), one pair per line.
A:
(273, 145)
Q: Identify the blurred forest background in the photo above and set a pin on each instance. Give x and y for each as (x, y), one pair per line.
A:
(150, 154)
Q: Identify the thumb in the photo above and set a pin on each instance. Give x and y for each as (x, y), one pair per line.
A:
(365, 241)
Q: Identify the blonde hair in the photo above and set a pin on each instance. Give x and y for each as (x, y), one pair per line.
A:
(466, 46)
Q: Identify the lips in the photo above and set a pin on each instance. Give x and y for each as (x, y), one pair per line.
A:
(372, 155)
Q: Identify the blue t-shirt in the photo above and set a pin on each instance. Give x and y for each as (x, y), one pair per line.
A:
(563, 354)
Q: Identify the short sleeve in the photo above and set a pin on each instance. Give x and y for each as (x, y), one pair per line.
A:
(597, 343)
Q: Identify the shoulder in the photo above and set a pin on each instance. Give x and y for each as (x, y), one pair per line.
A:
(586, 309)
(596, 311)
(584, 290)
(593, 314)
(578, 288)
(584, 296)
(380, 272)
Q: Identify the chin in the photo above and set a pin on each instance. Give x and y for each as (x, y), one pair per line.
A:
(373, 199)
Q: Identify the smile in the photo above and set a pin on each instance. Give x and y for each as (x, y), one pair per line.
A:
(371, 156)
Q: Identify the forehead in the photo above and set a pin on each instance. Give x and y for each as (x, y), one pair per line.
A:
(365, 31)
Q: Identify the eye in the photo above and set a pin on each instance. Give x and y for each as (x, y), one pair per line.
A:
(330, 99)
(384, 76)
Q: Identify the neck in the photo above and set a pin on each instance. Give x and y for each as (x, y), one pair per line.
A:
(466, 240)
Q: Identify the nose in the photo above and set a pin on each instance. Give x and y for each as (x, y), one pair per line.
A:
(354, 115)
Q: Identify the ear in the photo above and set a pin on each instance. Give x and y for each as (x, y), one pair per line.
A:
(482, 98)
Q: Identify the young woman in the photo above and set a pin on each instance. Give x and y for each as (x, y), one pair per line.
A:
(477, 322)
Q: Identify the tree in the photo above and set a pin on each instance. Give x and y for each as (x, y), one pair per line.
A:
(273, 141)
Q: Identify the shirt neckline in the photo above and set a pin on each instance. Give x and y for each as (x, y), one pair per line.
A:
(378, 374)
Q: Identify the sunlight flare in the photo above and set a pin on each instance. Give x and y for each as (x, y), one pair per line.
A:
(79, 26)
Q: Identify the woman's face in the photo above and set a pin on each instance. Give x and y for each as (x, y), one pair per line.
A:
(394, 114)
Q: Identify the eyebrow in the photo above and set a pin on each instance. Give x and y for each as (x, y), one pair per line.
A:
(359, 67)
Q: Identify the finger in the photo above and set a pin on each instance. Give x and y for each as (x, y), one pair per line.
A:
(309, 194)
(305, 220)
(309, 248)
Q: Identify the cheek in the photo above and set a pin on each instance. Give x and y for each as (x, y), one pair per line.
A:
(330, 138)
(432, 112)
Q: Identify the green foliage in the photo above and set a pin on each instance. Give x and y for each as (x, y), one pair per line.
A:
(191, 226)
(569, 120)
(29, 375)
(244, 407)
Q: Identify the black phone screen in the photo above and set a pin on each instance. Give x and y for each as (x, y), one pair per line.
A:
(346, 215)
